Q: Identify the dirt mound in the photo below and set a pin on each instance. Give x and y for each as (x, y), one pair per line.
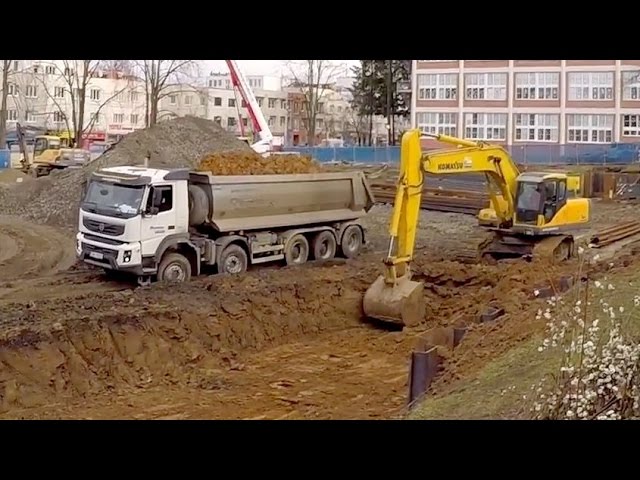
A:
(175, 143)
(12, 175)
(163, 335)
(249, 163)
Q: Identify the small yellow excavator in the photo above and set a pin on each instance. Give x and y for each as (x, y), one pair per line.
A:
(531, 215)
(50, 152)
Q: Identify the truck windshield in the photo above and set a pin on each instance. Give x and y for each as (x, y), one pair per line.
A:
(113, 199)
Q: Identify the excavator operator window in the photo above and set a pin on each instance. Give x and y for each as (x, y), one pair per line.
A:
(555, 197)
(40, 146)
(529, 202)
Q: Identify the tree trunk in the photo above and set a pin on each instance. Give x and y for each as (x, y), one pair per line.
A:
(3, 105)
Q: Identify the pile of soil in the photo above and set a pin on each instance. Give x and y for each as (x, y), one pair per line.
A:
(250, 163)
(180, 142)
(11, 175)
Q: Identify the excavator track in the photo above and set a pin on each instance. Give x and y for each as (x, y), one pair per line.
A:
(501, 245)
(555, 249)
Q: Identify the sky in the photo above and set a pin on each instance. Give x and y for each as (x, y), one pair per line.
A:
(261, 67)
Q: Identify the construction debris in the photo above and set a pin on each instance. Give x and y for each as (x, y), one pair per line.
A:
(614, 234)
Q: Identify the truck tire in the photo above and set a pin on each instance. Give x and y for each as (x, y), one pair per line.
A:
(324, 245)
(351, 241)
(296, 252)
(233, 260)
(174, 268)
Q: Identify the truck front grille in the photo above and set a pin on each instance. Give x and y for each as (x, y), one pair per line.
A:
(102, 227)
(105, 251)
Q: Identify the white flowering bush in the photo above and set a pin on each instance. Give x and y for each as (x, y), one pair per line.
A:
(598, 376)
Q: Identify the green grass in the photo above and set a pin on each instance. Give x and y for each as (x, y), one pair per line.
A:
(497, 391)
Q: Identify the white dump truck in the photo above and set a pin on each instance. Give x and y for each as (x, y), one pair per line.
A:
(170, 225)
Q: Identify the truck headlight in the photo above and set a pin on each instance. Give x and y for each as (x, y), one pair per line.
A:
(127, 256)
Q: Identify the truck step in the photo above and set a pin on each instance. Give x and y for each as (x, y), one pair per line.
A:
(267, 248)
(270, 258)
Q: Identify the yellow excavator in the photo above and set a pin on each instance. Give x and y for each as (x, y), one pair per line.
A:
(50, 152)
(531, 215)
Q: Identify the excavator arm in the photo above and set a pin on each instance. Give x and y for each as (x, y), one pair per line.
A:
(394, 296)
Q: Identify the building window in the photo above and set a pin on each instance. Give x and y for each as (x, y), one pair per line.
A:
(231, 121)
(231, 102)
(95, 118)
(631, 125)
(485, 126)
(133, 97)
(486, 86)
(271, 102)
(31, 91)
(591, 86)
(590, 128)
(58, 92)
(49, 69)
(95, 94)
(133, 119)
(30, 116)
(631, 85)
(217, 120)
(536, 127)
(172, 99)
(537, 86)
(445, 123)
(243, 103)
(12, 115)
(283, 104)
(283, 120)
(272, 121)
(58, 117)
(187, 100)
(12, 89)
(245, 121)
(438, 86)
(217, 101)
(118, 118)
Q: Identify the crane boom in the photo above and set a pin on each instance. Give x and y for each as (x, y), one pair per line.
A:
(258, 122)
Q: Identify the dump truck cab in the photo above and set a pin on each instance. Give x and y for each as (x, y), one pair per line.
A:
(129, 214)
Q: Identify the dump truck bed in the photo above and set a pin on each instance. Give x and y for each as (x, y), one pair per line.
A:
(253, 202)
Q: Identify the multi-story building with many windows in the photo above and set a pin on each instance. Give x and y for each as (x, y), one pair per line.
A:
(538, 102)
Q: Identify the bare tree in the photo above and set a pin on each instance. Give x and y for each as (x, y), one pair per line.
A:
(73, 81)
(3, 102)
(161, 77)
(312, 78)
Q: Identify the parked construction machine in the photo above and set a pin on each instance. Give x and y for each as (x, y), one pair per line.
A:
(49, 153)
(531, 215)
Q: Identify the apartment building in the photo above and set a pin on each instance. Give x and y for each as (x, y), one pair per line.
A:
(39, 95)
(519, 102)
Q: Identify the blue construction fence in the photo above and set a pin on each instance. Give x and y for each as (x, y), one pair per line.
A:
(569, 154)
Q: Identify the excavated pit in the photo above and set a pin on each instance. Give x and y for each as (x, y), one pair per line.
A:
(191, 337)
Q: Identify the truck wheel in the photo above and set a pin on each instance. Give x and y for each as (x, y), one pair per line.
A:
(351, 241)
(233, 260)
(297, 250)
(174, 268)
(324, 246)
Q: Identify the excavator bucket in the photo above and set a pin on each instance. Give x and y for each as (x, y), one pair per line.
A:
(401, 303)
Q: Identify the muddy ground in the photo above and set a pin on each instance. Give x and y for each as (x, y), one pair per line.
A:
(274, 343)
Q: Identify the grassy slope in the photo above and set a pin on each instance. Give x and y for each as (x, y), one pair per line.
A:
(497, 391)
